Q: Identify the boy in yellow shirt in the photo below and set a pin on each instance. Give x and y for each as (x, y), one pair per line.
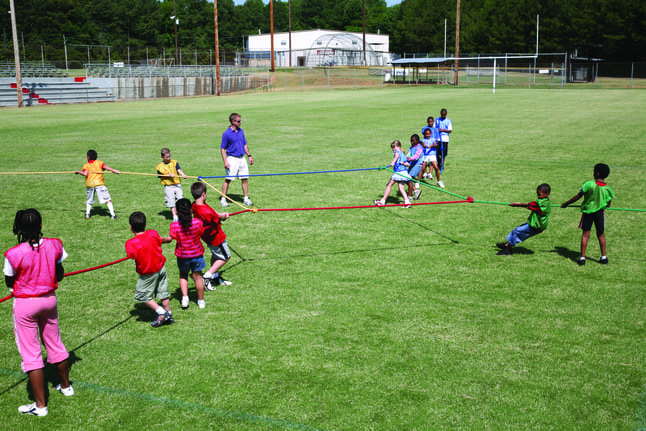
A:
(94, 183)
(169, 172)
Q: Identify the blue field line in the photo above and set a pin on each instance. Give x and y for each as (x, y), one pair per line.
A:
(293, 173)
(183, 405)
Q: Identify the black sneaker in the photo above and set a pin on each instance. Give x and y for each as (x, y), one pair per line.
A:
(501, 245)
(161, 319)
(581, 261)
(603, 261)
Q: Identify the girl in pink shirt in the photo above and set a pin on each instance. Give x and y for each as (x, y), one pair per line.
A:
(33, 269)
(189, 250)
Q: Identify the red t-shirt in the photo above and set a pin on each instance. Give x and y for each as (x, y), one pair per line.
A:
(188, 240)
(146, 250)
(213, 233)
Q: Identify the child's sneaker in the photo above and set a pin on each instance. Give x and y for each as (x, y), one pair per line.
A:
(223, 202)
(68, 392)
(603, 260)
(581, 261)
(417, 193)
(31, 409)
(222, 282)
(208, 283)
(430, 177)
(406, 204)
(114, 217)
(424, 175)
(87, 216)
(440, 183)
(184, 302)
(501, 245)
(170, 319)
(247, 201)
(160, 320)
(379, 203)
(201, 303)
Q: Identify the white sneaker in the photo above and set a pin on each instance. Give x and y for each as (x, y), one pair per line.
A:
(221, 282)
(417, 193)
(68, 392)
(184, 301)
(201, 303)
(424, 175)
(406, 204)
(440, 183)
(31, 409)
(430, 177)
(247, 201)
(223, 202)
(208, 283)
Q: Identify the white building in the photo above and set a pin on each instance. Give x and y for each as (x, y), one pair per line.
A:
(318, 48)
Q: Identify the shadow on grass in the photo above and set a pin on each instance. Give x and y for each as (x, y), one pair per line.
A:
(144, 313)
(572, 255)
(167, 214)
(99, 212)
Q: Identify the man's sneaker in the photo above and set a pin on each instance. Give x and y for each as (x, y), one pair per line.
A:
(209, 283)
(247, 201)
(222, 282)
(378, 203)
(31, 409)
(223, 202)
(417, 193)
(440, 183)
(160, 320)
(501, 245)
(603, 260)
(185, 302)
(201, 303)
(504, 252)
(581, 261)
(68, 392)
(114, 217)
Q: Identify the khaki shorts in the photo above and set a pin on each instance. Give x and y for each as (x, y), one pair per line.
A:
(151, 284)
(100, 191)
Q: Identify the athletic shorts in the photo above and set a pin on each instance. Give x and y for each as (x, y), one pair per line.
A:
(191, 264)
(220, 252)
(151, 285)
(415, 170)
(173, 193)
(430, 158)
(400, 177)
(34, 316)
(101, 192)
(598, 218)
(238, 168)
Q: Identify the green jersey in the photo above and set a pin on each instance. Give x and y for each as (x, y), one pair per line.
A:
(540, 214)
(596, 196)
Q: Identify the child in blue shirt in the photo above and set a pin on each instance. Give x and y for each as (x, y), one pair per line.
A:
(430, 141)
(401, 176)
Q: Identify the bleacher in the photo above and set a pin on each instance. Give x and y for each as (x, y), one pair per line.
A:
(31, 69)
(51, 91)
(132, 71)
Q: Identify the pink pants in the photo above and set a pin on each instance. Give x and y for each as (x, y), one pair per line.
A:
(31, 315)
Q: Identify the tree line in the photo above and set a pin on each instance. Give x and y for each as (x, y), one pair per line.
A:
(614, 30)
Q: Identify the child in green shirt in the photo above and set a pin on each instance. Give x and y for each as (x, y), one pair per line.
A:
(536, 223)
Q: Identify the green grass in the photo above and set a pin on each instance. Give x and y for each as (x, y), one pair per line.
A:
(380, 318)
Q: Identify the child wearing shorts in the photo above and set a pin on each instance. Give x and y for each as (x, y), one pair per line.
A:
(400, 175)
(169, 174)
(95, 184)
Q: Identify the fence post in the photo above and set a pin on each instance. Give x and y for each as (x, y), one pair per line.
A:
(632, 71)
(529, 74)
(303, 79)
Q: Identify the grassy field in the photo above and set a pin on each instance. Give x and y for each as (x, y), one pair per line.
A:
(361, 319)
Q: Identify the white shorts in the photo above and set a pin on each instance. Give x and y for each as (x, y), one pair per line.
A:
(238, 168)
(431, 158)
(172, 194)
(101, 192)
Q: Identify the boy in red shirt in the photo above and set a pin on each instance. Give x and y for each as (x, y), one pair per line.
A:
(145, 249)
(213, 236)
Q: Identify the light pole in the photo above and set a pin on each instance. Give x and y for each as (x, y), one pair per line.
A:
(174, 17)
(16, 52)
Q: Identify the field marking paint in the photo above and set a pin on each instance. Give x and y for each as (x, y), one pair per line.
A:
(169, 402)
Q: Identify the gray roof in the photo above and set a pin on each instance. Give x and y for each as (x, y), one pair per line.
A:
(418, 61)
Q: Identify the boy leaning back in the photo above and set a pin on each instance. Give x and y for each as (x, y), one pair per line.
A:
(536, 223)
(213, 236)
(169, 173)
(94, 183)
(597, 196)
(145, 249)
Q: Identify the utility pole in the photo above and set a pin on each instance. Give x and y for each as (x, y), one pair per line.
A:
(289, 21)
(176, 20)
(16, 52)
(217, 49)
(271, 16)
(364, 33)
(457, 45)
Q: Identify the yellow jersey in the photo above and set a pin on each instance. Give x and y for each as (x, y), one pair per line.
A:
(169, 168)
(94, 177)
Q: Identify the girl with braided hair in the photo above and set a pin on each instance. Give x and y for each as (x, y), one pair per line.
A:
(33, 269)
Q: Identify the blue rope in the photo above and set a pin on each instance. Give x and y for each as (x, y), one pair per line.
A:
(293, 173)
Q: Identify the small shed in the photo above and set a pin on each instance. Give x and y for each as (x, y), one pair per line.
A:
(427, 70)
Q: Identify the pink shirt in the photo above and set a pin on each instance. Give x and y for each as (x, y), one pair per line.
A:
(34, 269)
(188, 240)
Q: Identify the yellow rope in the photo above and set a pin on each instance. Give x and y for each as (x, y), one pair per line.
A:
(35, 173)
(135, 173)
(225, 196)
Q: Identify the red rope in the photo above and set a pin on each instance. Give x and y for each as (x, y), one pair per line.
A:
(468, 200)
(5, 298)
(95, 267)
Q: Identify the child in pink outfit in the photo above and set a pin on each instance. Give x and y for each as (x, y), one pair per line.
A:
(33, 269)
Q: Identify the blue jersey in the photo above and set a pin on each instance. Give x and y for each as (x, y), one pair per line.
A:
(411, 153)
(445, 124)
(399, 163)
(428, 150)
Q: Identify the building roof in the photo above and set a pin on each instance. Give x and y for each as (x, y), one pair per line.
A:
(418, 61)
